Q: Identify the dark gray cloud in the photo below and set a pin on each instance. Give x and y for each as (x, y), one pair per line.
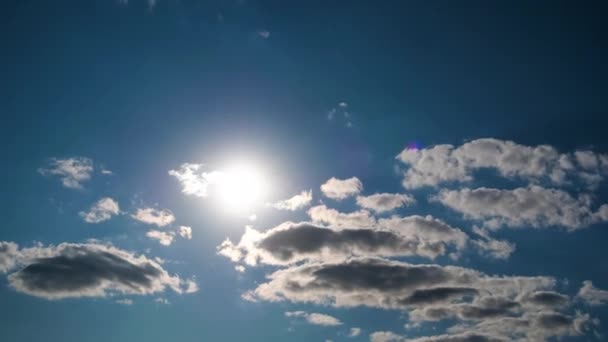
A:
(438, 295)
(548, 299)
(295, 242)
(388, 284)
(89, 270)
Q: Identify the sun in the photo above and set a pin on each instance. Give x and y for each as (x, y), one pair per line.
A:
(241, 187)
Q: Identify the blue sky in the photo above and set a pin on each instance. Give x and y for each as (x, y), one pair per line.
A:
(257, 171)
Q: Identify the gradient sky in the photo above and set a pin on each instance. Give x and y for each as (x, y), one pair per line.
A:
(313, 171)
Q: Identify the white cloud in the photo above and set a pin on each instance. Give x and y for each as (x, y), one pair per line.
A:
(154, 216)
(592, 295)
(296, 202)
(334, 218)
(161, 300)
(101, 210)
(447, 163)
(315, 318)
(264, 34)
(194, 181)
(532, 206)
(354, 332)
(8, 255)
(70, 270)
(384, 202)
(185, 232)
(340, 189)
(164, 238)
(72, 171)
(124, 301)
(190, 286)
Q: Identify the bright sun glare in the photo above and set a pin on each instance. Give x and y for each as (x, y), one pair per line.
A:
(241, 187)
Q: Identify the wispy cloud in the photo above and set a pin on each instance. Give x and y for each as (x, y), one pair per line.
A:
(296, 202)
(72, 171)
(101, 210)
(315, 318)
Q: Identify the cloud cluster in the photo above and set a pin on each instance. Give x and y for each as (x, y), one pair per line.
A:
(70, 270)
(532, 206)
(153, 216)
(314, 318)
(592, 295)
(72, 171)
(340, 189)
(101, 210)
(296, 202)
(447, 163)
(166, 237)
(488, 308)
(291, 243)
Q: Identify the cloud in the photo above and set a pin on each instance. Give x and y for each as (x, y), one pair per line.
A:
(194, 181)
(386, 284)
(70, 270)
(296, 202)
(340, 189)
(334, 218)
(125, 301)
(185, 232)
(157, 217)
(264, 34)
(354, 332)
(384, 202)
(8, 255)
(72, 171)
(101, 210)
(315, 318)
(447, 163)
(533, 206)
(592, 295)
(291, 243)
(164, 238)
(387, 336)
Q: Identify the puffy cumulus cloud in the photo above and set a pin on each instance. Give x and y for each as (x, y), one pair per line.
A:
(157, 217)
(291, 243)
(101, 210)
(72, 171)
(9, 252)
(354, 332)
(334, 218)
(194, 181)
(340, 189)
(315, 318)
(185, 232)
(532, 206)
(296, 202)
(384, 202)
(589, 293)
(164, 238)
(447, 163)
(389, 284)
(70, 270)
